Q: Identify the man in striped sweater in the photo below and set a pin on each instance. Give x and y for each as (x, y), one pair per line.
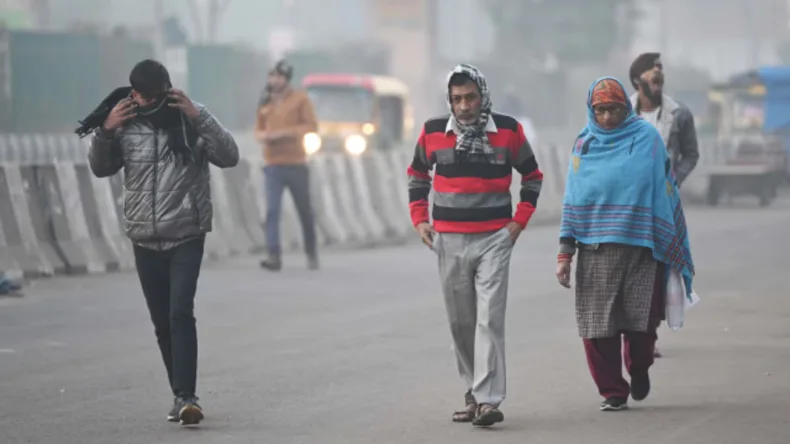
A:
(474, 228)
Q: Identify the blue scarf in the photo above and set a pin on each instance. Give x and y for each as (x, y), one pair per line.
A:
(620, 188)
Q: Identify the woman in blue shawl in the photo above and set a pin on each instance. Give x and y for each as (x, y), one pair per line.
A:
(622, 213)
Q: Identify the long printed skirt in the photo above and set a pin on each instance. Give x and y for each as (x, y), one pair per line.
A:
(619, 290)
(615, 289)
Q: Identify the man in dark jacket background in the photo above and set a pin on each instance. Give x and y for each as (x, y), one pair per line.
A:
(164, 142)
(674, 121)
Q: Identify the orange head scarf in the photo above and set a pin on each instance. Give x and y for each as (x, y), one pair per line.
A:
(608, 91)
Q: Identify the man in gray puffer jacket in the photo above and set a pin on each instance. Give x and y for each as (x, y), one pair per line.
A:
(164, 143)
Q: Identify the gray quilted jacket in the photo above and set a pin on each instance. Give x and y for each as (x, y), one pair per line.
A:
(165, 201)
(677, 129)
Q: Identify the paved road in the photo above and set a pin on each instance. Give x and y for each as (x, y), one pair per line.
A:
(360, 353)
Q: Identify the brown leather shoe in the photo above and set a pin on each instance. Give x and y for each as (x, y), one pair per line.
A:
(487, 415)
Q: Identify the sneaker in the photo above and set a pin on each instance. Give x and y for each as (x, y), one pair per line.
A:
(9, 287)
(640, 386)
(173, 415)
(614, 404)
(312, 262)
(189, 411)
(272, 264)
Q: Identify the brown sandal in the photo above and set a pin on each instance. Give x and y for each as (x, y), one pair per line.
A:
(468, 413)
(487, 415)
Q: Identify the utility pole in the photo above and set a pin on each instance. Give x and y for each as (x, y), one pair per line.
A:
(214, 9)
(159, 32)
(197, 20)
(663, 27)
(752, 35)
(432, 26)
(41, 10)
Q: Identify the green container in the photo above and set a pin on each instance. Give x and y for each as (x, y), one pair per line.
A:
(117, 57)
(308, 62)
(55, 80)
(228, 81)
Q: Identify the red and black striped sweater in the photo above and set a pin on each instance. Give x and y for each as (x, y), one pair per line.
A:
(473, 195)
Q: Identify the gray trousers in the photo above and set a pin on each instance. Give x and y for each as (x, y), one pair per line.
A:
(474, 270)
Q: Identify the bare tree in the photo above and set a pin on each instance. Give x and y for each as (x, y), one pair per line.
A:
(217, 9)
(194, 11)
(214, 11)
(42, 12)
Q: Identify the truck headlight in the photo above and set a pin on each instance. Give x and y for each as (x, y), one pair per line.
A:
(312, 143)
(356, 145)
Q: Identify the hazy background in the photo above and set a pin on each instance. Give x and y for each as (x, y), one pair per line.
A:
(548, 52)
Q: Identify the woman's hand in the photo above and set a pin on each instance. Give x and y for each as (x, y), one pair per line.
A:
(564, 273)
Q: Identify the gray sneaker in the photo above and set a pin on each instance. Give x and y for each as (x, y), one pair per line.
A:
(614, 404)
(189, 411)
(172, 416)
(312, 262)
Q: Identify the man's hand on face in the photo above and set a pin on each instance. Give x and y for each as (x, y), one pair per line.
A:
(182, 102)
(124, 111)
(427, 233)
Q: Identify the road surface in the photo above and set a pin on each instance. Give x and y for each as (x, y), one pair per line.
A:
(360, 353)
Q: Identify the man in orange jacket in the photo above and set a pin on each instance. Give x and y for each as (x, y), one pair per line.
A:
(284, 117)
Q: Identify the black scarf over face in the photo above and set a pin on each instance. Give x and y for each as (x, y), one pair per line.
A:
(182, 137)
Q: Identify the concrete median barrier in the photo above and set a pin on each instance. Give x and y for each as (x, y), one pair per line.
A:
(35, 210)
(398, 162)
(63, 205)
(24, 250)
(360, 187)
(384, 195)
(338, 181)
(227, 225)
(57, 218)
(100, 220)
(325, 204)
(243, 205)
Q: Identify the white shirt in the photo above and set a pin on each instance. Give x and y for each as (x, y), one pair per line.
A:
(651, 116)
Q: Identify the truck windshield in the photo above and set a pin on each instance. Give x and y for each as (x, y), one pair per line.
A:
(341, 103)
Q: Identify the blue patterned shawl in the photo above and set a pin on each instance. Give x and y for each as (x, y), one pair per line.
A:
(620, 188)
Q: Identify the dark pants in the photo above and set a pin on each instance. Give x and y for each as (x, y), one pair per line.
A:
(297, 179)
(169, 280)
(605, 355)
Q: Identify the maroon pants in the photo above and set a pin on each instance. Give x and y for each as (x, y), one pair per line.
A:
(605, 355)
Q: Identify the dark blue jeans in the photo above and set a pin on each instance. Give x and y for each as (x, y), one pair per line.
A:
(297, 179)
(169, 280)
